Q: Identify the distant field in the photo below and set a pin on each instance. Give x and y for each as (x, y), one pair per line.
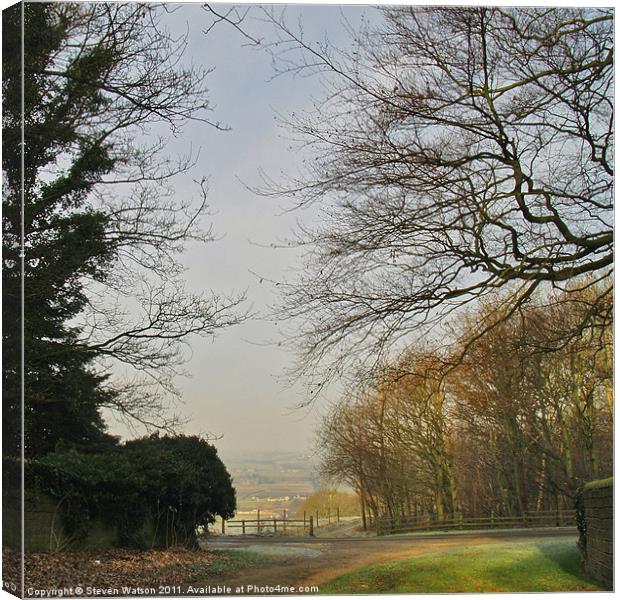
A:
(274, 490)
(272, 483)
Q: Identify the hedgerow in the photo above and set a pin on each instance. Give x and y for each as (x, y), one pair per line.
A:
(174, 483)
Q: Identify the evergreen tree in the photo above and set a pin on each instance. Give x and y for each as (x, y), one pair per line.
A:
(64, 241)
(96, 76)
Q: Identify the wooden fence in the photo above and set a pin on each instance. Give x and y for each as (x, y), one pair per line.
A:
(269, 526)
(281, 525)
(562, 518)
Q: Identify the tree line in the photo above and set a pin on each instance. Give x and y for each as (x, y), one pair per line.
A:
(512, 428)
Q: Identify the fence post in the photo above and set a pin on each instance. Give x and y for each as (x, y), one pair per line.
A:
(223, 526)
(492, 518)
(258, 520)
(243, 526)
(338, 513)
(311, 527)
(275, 526)
(317, 518)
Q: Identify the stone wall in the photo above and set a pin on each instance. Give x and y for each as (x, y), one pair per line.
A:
(44, 530)
(599, 520)
(43, 525)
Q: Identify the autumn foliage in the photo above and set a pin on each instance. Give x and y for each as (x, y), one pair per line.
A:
(517, 424)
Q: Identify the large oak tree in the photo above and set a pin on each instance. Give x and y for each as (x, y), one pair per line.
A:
(454, 152)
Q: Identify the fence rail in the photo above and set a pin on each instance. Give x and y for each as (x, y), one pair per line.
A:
(270, 525)
(562, 518)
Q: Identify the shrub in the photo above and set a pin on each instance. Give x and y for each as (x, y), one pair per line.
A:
(173, 483)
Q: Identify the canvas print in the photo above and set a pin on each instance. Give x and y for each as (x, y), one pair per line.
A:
(306, 299)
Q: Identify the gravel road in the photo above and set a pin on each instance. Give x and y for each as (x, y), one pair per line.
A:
(314, 561)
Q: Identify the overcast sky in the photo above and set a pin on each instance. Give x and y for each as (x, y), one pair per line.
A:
(237, 387)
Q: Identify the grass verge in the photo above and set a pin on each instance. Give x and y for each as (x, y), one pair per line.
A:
(546, 566)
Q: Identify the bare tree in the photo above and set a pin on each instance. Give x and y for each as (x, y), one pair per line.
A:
(455, 152)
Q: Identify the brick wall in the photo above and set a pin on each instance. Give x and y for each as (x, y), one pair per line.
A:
(599, 514)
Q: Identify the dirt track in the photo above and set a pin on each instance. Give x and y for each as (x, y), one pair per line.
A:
(307, 561)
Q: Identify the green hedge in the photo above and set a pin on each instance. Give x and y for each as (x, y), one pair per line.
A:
(176, 481)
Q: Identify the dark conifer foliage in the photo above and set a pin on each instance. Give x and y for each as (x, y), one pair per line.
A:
(103, 227)
(64, 241)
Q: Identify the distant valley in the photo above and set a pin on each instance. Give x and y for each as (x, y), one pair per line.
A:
(272, 482)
